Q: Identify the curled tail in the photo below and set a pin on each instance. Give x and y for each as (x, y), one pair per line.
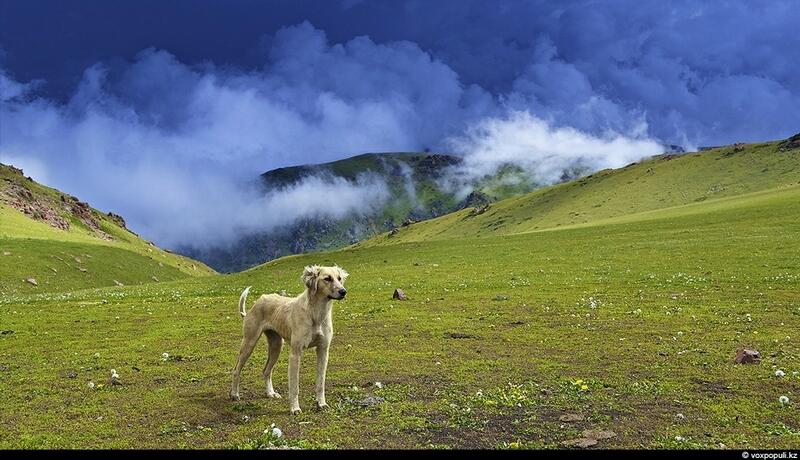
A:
(242, 300)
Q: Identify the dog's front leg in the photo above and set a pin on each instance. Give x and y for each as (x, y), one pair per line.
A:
(294, 378)
(322, 367)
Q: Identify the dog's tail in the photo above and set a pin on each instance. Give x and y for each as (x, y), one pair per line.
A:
(242, 300)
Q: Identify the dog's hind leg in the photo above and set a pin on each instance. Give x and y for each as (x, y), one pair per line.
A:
(274, 344)
(248, 344)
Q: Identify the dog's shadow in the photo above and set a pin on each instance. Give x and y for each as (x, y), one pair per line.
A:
(216, 407)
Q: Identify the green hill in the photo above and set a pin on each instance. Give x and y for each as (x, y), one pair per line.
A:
(64, 244)
(416, 192)
(616, 325)
(656, 183)
(623, 320)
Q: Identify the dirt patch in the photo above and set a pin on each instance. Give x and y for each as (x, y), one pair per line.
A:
(712, 387)
(459, 335)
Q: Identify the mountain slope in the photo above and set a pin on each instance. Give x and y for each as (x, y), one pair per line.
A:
(64, 244)
(626, 319)
(656, 183)
(415, 188)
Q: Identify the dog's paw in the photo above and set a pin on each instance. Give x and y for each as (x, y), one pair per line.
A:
(234, 397)
(274, 394)
(322, 406)
(296, 411)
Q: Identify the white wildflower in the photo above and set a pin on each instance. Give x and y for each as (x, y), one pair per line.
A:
(164, 356)
(783, 400)
(680, 438)
(680, 416)
(779, 373)
(378, 385)
(90, 385)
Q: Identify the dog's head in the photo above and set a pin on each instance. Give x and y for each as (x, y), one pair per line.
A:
(326, 281)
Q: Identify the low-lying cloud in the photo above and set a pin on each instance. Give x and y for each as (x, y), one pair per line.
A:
(177, 149)
(545, 152)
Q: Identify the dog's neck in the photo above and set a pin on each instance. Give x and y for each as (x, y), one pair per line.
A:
(319, 305)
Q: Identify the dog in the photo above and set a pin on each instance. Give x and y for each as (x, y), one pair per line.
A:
(304, 322)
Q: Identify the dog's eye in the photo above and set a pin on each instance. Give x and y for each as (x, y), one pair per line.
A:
(340, 278)
(328, 278)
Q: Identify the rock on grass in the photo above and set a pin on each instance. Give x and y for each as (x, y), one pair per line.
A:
(583, 443)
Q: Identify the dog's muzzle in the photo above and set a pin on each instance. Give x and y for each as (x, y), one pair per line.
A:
(342, 293)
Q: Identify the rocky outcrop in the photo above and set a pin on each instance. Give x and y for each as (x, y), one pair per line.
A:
(475, 199)
(790, 144)
(117, 219)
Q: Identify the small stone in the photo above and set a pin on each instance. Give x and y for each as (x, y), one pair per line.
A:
(745, 356)
(118, 283)
(154, 278)
(32, 281)
(6, 253)
(598, 434)
(399, 295)
(583, 443)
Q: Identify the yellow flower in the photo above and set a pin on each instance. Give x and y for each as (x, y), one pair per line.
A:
(584, 387)
(578, 382)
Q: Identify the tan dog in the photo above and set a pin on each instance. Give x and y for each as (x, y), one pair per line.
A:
(304, 321)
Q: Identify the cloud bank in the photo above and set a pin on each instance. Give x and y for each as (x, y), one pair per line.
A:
(175, 148)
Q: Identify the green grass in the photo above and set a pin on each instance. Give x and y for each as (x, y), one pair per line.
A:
(646, 309)
(55, 258)
(657, 183)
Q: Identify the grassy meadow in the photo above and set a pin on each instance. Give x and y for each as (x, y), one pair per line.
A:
(625, 319)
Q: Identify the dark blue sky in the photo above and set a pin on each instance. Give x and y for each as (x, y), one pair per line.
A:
(712, 72)
(124, 103)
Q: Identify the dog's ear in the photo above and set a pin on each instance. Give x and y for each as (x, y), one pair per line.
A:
(310, 274)
(342, 272)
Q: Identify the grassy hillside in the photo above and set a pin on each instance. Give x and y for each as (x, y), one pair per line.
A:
(65, 244)
(660, 182)
(628, 325)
